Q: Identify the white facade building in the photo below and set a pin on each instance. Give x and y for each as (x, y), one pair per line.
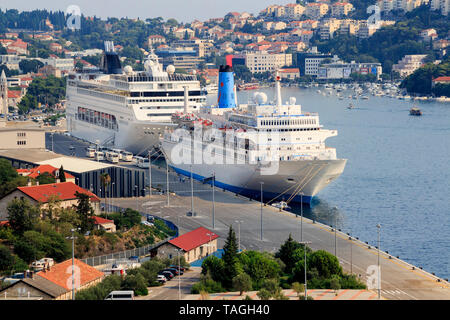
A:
(263, 61)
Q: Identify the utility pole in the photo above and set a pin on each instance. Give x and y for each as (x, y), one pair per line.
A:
(262, 210)
(239, 234)
(301, 222)
(167, 183)
(304, 249)
(150, 173)
(73, 260)
(379, 267)
(192, 192)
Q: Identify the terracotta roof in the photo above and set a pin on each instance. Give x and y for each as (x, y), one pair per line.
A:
(289, 70)
(193, 239)
(61, 273)
(64, 190)
(100, 220)
(35, 172)
(14, 94)
(4, 223)
(442, 79)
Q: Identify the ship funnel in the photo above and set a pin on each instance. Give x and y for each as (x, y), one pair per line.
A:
(226, 96)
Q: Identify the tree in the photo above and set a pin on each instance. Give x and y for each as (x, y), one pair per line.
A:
(6, 258)
(326, 264)
(334, 283)
(263, 294)
(271, 285)
(230, 258)
(215, 267)
(286, 253)
(85, 212)
(259, 266)
(298, 288)
(22, 215)
(62, 174)
(242, 282)
(45, 178)
(30, 65)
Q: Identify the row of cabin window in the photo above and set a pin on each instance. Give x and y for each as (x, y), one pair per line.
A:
(136, 101)
(287, 122)
(288, 130)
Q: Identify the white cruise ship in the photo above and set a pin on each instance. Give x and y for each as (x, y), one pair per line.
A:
(128, 109)
(274, 148)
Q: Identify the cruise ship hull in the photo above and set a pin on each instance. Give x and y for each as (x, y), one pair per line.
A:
(137, 137)
(292, 177)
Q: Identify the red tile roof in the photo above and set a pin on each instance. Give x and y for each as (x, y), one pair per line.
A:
(14, 94)
(442, 79)
(35, 172)
(193, 239)
(61, 273)
(100, 220)
(64, 190)
(4, 223)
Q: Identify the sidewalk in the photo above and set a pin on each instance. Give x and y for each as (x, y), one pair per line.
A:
(317, 294)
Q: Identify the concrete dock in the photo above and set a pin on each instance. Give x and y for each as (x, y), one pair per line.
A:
(399, 280)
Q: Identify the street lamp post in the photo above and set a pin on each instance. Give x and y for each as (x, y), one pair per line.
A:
(262, 210)
(73, 260)
(379, 267)
(150, 172)
(192, 192)
(167, 183)
(301, 212)
(335, 232)
(214, 202)
(304, 249)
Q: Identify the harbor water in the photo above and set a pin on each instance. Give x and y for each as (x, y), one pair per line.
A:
(397, 175)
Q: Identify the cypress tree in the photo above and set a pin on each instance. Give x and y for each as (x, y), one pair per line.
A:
(62, 175)
(230, 258)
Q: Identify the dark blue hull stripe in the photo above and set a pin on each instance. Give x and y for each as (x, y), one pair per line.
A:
(245, 192)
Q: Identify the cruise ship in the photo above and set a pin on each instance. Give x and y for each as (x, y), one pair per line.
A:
(126, 109)
(271, 148)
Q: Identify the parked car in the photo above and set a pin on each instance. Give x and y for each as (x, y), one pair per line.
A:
(120, 295)
(176, 267)
(174, 271)
(161, 278)
(169, 275)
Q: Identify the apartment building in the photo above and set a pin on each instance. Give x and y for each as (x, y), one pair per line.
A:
(408, 64)
(340, 9)
(294, 10)
(442, 5)
(328, 27)
(316, 10)
(264, 61)
(341, 70)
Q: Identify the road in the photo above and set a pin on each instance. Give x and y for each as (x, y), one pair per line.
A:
(169, 291)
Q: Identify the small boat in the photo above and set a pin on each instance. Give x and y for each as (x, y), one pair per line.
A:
(415, 111)
(281, 205)
(351, 106)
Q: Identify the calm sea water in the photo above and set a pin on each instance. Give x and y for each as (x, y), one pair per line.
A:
(397, 175)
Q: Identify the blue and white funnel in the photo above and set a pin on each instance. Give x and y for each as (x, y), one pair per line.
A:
(226, 96)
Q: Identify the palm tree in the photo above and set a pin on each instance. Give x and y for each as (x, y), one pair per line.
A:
(105, 180)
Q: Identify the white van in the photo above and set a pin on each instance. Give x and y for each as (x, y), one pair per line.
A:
(90, 152)
(120, 295)
(127, 156)
(142, 162)
(112, 157)
(99, 156)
